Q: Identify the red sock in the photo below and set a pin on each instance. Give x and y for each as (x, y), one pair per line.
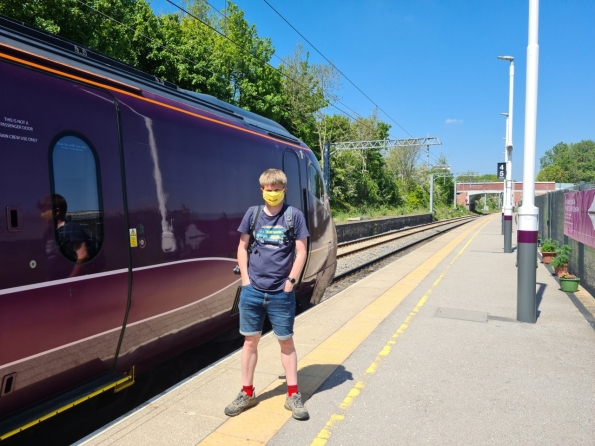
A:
(248, 390)
(291, 390)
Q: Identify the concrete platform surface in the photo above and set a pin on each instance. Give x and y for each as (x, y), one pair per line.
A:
(425, 351)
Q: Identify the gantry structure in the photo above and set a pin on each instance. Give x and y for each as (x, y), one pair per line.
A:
(384, 145)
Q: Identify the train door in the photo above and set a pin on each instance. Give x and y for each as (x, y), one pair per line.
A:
(64, 249)
(321, 225)
(296, 197)
(320, 266)
(291, 167)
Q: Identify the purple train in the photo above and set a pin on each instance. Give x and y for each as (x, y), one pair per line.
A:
(157, 179)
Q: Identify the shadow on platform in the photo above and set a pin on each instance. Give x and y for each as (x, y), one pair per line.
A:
(331, 375)
(539, 296)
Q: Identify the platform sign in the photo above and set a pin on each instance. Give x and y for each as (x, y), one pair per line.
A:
(501, 171)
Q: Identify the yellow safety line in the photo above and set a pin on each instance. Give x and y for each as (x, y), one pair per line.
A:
(66, 407)
(259, 424)
(326, 432)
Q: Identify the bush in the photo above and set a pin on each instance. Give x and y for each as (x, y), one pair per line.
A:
(562, 256)
(549, 245)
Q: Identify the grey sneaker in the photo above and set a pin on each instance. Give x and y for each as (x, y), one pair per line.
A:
(294, 403)
(241, 403)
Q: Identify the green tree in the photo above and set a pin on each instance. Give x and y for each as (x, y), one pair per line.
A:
(81, 23)
(360, 178)
(183, 49)
(443, 182)
(243, 60)
(569, 163)
(551, 173)
(487, 177)
(402, 163)
(467, 177)
(302, 97)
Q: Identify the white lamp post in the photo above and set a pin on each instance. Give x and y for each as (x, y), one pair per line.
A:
(508, 196)
(504, 189)
(529, 213)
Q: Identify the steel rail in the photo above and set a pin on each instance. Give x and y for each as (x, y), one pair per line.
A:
(354, 270)
(390, 236)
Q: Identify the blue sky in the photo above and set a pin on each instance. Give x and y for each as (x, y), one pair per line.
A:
(432, 66)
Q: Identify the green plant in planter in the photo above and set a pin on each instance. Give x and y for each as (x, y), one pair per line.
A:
(560, 262)
(548, 250)
(569, 283)
(549, 245)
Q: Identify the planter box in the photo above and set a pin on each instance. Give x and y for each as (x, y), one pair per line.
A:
(548, 256)
(561, 270)
(569, 285)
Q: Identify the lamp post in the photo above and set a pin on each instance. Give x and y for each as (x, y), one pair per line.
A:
(508, 198)
(504, 190)
(529, 213)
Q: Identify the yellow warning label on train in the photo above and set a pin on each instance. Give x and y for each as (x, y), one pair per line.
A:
(133, 238)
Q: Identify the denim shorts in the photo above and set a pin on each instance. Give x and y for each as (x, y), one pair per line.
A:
(278, 305)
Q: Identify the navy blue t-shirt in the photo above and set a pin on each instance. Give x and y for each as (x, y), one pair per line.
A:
(271, 259)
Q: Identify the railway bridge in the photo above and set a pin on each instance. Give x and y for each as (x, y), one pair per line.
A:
(466, 190)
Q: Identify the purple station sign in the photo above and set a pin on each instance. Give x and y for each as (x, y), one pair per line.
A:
(579, 216)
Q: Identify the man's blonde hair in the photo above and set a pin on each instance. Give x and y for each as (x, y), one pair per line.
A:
(271, 177)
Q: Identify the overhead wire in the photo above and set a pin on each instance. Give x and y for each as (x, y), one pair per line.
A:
(335, 67)
(275, 55)
(167, 48)
(262, 61)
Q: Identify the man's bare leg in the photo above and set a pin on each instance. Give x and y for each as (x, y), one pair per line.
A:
(249, 359)
(246, 398)
(289, 361)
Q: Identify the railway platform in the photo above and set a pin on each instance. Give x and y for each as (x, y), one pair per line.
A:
(426, 350)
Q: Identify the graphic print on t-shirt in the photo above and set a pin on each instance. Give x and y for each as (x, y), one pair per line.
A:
(271, 235)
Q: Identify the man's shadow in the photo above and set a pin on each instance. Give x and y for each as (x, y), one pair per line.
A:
(330, 375)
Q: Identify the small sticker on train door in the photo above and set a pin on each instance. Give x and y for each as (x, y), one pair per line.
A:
(133, 238)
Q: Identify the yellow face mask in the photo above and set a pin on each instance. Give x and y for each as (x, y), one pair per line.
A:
(273, 197)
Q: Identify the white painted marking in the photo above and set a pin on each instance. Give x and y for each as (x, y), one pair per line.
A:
(202, 259)
(50, 283)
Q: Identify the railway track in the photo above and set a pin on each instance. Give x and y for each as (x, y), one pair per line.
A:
(347, 249)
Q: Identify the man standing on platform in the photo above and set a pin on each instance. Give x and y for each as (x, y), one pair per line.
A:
(271, 255)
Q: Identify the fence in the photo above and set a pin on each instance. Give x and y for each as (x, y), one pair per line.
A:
(551, 225)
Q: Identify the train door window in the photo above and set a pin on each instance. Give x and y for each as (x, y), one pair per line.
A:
(316, 185)
(76, 201)
(291, 168)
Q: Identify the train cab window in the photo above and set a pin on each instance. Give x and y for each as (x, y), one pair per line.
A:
(75, 201)
(316, 186)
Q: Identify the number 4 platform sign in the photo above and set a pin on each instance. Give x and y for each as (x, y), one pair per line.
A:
(501, 171)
